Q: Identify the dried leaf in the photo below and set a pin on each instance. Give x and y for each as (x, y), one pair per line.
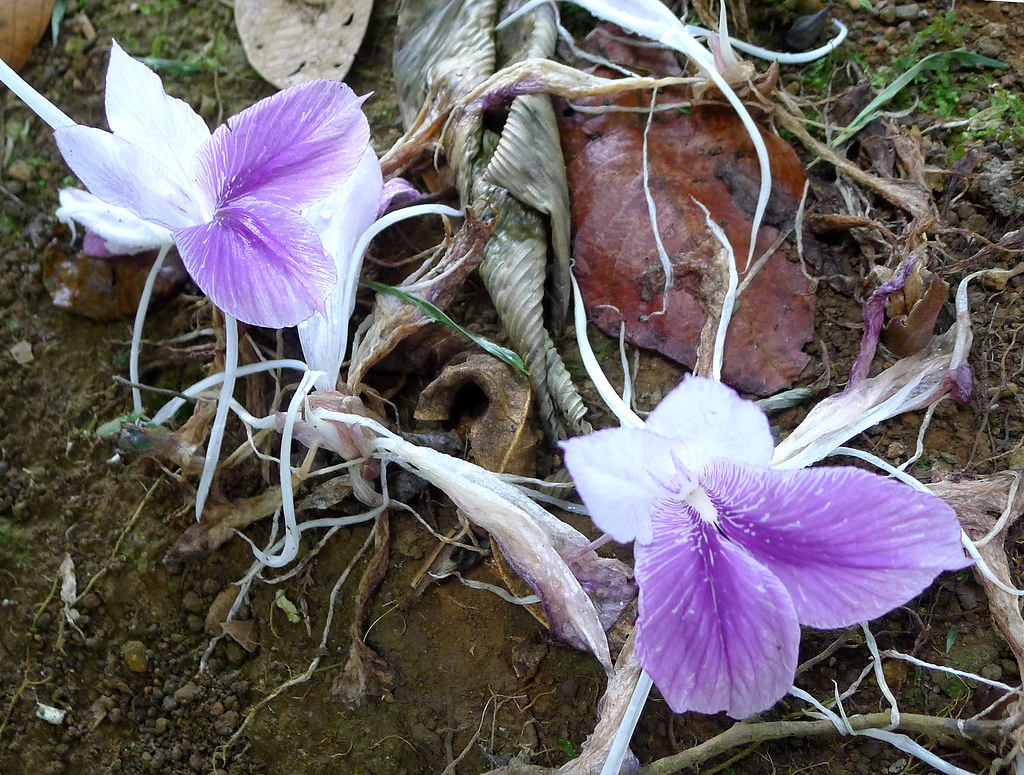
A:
(220, 522)
(392, 320)
(245, 633)
(974, 502)
(22, 23)
(290, 42)
(500, 437)
(366, 672)
(707, 157)
(105, 289)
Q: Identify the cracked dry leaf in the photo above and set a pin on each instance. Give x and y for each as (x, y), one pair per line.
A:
(289, 42)
(500, 437)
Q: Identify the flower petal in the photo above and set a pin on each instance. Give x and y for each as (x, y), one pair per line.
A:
(260, 263)
(122, 232)
(848, 545)
(714, 422)
(124, 175)
(292, 148)
(620, 473)
(141, 112)
(716, 630)
(340, 220)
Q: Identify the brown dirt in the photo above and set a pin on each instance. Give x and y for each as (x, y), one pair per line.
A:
(471, 670)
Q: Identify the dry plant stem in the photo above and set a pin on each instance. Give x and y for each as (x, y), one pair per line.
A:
(529, 76)
(745, 733)
(901, 194)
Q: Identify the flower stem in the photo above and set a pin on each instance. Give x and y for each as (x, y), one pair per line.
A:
(620, 745)
(221, 418)
(42, 107)
(140, 319)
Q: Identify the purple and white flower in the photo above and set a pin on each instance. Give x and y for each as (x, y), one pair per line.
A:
(733, 556)
(233, 200)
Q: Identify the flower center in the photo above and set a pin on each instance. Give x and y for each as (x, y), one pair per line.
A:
(699, 501)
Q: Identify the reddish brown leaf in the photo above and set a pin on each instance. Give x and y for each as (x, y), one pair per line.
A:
(22, 23)
(106, 288)
(704, 156)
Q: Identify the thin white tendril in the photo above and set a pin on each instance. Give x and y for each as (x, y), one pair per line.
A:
(652, 213)
(220, 419)
(140, 319)
(171, 407)
(291, 529)
(782, 57)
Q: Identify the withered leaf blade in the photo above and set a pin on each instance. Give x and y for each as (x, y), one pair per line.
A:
(501, 437)
(290, 42)
(705, 156)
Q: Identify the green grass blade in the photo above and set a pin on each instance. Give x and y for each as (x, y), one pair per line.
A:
(503, 354)
(931, 62)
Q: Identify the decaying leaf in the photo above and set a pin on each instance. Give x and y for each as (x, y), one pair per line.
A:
(703, 157)
(245, 633)
(289, 42)
(393, 320)
(974, 502)
(366, 672)
(106, 288)
(221, 520)
(445, 51)
(501, 436)
(22, 23)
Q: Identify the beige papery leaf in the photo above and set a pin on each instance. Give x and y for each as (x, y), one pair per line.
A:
(289, 41)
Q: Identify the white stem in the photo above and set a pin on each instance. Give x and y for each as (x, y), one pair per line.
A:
(140, 319)
(290, 549)
(624, 734)
(221, 418)
(171, 407)
(780, 56)
(626, 416)
(42, 107)
(652, 212)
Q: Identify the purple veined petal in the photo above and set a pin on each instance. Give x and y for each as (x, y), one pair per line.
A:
(260, 263)
(340, 220)
(714, 421)
(124, 175)
(849, 545)
(141, 112)
(292, 148)
(121, 232)
(620, 473)
(716, 630)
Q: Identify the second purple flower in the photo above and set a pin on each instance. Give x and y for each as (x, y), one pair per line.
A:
(733, 556)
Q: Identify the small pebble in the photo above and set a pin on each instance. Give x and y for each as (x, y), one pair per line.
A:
(907, 12)
(989, 46)
(161, 726)
(187, 693)
(134, 654)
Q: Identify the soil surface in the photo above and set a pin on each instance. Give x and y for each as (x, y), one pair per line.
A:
(469, 672)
